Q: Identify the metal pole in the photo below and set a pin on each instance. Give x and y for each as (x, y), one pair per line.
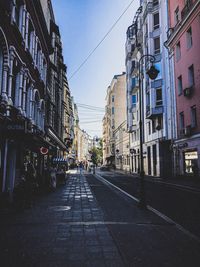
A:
(142, 198)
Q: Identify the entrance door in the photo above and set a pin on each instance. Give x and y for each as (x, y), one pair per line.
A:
(149, 159)
(154, 160)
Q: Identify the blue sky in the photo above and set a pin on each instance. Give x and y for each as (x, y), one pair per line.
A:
(82, 24)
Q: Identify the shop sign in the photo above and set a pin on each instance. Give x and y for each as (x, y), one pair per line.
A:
(15, 127)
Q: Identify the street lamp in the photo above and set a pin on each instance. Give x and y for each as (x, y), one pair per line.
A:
(152, 73)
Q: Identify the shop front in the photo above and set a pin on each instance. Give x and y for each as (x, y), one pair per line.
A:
(20, 144)
(187, 157)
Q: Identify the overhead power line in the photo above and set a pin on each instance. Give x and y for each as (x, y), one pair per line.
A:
(104, 37)
(89, 106)
(86, 122)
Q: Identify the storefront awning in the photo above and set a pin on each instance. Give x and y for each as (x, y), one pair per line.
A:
(56, 139)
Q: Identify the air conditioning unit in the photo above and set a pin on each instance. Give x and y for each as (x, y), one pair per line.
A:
(188, 91)
(187, 130)
(182, 132)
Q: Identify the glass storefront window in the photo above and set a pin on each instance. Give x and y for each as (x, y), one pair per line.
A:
(191, 162)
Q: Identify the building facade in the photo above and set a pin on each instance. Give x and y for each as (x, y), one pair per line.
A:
(31, 89)
(115, 114)
(122, 152)
(145, 37)
(183, 43)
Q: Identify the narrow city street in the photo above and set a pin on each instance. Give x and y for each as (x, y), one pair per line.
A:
(87, 223)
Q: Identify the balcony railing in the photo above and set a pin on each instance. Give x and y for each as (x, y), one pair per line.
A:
(154, 112)
(184, 13)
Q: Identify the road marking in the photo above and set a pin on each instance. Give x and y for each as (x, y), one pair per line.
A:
(158, 213)
(159, 181)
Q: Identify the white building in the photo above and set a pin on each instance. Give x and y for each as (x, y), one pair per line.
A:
(149, 32)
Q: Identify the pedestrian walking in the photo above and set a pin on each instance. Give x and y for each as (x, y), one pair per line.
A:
(53, 182)
(81, 167)
(30, 183)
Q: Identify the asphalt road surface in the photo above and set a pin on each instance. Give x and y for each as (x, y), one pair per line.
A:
(181, 204)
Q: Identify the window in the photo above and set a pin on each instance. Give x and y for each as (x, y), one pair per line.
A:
(15, 84)
(189, 37)
(134, 99)
(149, 127)
(153, 126)
(148, 99)
(160, 123)
(181, 120)
(178, 51)
(31, 39)
(191, 75)
(156, 21)
(193, 116)
(155, 2)
(176, 15)
(113, 98)
(1, 66)
(113, 110)
(159, 97)
(180, 85)
(157, 45)
(18, 13)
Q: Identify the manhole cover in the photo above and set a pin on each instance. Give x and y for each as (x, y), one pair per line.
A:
(60, 208)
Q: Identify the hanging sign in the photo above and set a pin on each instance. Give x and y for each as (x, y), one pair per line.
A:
(44, 150)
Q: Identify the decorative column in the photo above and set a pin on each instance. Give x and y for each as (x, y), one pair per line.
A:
(24, 21)
(13, 11)
(36, 47)
(26, 30)
(20, 90)
(31, 115)
(24, 93)
(4, 83)
(10, 79)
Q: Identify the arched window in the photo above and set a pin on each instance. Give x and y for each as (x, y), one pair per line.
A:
(28, 102)
(42, 114)
(15, 83)
(39, 55)
(31, 38)
(44, 70)
(36, 107)
(1, 67)
(18, 13)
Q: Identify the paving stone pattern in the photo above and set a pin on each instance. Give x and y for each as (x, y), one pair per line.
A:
(64, 228)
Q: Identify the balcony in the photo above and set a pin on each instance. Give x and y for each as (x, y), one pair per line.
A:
(151, 113)
(132, 128)
(148, 9)
(134, 67)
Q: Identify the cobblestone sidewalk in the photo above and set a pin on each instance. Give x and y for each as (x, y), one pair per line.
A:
(65, 228)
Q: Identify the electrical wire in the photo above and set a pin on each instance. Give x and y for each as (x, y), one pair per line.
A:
(81, 104)
(104, 37)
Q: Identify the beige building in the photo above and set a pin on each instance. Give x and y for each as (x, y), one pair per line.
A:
(122, 154)
(115, 115)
